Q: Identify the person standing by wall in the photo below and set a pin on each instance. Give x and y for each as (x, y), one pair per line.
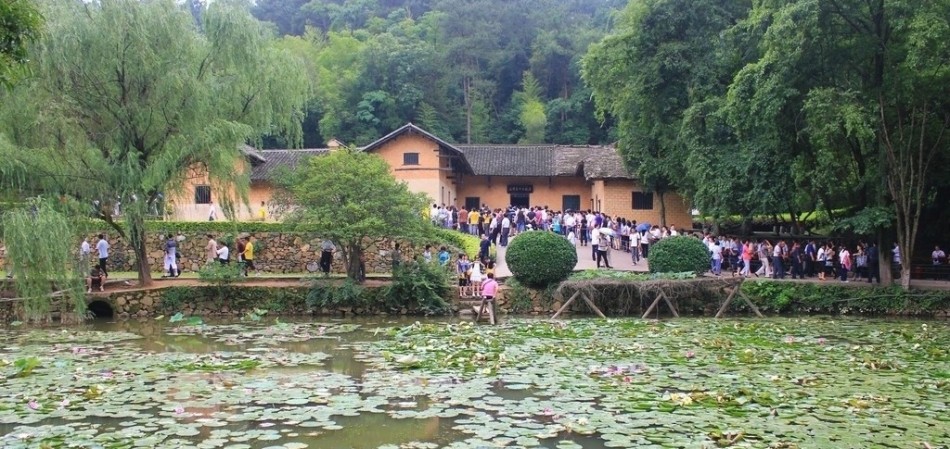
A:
(211, 249)
(874, 263)
(327, 248)
(249, 257)
(212, 212)
(171, 251)
(102, 248)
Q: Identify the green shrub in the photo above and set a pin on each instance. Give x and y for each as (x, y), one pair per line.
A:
(518, 296)
(679, 254)
(539, 259)
(794, 297)
(220, 274)
(459, 241)
(326, 295)
(420, 286)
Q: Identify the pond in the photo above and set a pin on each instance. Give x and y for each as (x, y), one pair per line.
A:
(394, 383)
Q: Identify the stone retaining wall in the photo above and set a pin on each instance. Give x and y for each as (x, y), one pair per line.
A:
(275, 252)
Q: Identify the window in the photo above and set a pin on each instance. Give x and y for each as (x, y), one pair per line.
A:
(202, 194)
(410, 159)
(472, 202)
(570, 202)
(642, 201)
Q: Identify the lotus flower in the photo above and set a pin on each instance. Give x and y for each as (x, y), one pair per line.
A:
(627, 379)
(822, 341)
(321, 330)
(248, 391)
(690, 354)
(65, 403)
(789, 339)
(179, 410)
(547, 411)
(33, 405)
(106, 374)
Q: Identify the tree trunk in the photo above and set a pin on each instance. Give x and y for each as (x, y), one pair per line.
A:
(905, 275)
(137, 238)
(662, 197)
(352, 252)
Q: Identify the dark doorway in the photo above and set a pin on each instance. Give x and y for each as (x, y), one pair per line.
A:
(100, 309)
(521, 199)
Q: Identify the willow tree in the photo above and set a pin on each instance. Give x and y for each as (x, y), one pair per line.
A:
(19, 25)
(132, 97)
(44, 264)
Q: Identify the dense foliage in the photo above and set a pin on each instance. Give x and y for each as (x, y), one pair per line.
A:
(789, 297)
(324, 295)
(19, 26)
(470, 71)
(539, 259)
(679, 254)
(49, 276)
(129, 99)
(767, 108)
(419, 286)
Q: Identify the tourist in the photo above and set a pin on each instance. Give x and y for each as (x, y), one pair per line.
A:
(860, 263)
(821, 257)
(212, 212)
(248, 256)
(427, 254)
(102, 248)
(797, 261)
(396, 258)
(444, 256)
(603, 244)
(461, 270)
(95, 280)
(583, 231)
(361, 275)
(211, 249)
(634, 243)
(85, 253)
(937, 256)
(874, 263)
(810, 257)
(171, 262)
(844, 258)
(778, 263)
(829, 267)
(475, 277)
(764, 252)
(327, 248)
(240, 245)
(262, 211)
(747, 253)
(505, 230)
(896, 252)
(484, 247)
(572, 238)
(473, 217)
(489, 287)
(224, 254)
(644, 245)
(715, 251)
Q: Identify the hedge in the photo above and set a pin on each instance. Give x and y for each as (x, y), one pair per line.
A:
(810, 297)
(539, 258)
(679, 254)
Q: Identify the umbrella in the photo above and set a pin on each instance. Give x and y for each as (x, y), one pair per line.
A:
(643, 227)
(606, 231)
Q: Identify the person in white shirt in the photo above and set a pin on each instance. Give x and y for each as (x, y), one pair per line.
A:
(85, 251)
(505, 230)
(673, 231)
(820, 259)
(716, 257)
(102, 248)
(938, 255)
(635, 246)
(224, 254)
(212, 212)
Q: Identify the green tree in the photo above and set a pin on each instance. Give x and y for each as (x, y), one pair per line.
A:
(130, 99)
(532, 115)
(351, 198)
(19, 26)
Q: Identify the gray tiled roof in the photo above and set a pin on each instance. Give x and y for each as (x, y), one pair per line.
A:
(273, 159)
(591, 162)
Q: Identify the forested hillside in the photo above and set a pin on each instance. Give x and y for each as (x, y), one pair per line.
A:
(495, 71)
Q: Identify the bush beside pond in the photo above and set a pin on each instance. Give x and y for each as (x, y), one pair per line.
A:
(539, 259)
(679, 254)
(797, 297)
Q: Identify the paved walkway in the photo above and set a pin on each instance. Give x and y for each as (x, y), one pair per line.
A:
(619, 260)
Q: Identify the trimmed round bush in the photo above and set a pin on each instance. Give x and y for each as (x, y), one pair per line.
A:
(679, 254)
(539, 258)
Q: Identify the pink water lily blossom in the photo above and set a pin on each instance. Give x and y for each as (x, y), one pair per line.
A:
(789, 339)
(822, 341)
(321, 330)
(64, 403)
(33, 405)
(179, 410)
(548, 411)
(690, 354)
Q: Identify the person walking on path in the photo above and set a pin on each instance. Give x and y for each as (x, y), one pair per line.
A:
(102, 248)
(326, 256)
(603, 244)
(171, 251)
(211, 249)
(845, 262)
(249, 257)
(212, 212)
(484, 247)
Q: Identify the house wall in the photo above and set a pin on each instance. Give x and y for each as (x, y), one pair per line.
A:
(182, 205)
(617, 197)
(547, 191)
(430, 176)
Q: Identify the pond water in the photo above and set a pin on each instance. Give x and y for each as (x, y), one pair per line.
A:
(396, 383)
